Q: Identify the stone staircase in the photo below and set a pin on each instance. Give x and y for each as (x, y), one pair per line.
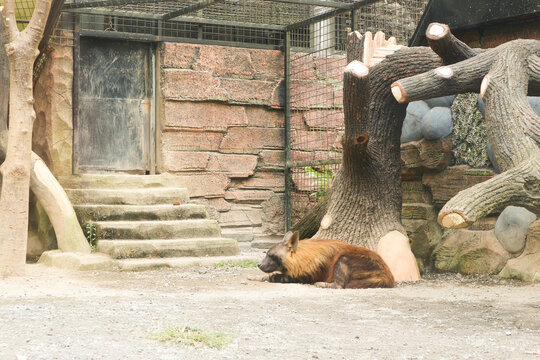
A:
(145, 217)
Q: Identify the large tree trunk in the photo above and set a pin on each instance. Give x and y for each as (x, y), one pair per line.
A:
(48, 191)
(22, 52)
(504, 76)
(365, 204)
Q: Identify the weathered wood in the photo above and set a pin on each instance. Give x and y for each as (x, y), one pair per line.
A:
(504, 75)
(513, 129)
(464, 76)
(366, 193)
(446, 45)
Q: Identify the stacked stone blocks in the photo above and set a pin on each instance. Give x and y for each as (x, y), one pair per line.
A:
(223, 132)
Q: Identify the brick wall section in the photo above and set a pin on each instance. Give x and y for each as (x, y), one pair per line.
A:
(222, 130)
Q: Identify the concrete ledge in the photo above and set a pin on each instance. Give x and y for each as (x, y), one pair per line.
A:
(185, 262)
(76, 261)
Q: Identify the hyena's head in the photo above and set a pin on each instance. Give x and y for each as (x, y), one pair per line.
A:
(277, 255)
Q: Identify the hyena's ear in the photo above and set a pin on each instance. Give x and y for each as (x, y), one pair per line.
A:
(291, 240)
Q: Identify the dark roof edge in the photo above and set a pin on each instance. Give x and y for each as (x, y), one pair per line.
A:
(463, 14)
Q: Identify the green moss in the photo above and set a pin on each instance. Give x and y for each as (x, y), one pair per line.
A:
(470, 137)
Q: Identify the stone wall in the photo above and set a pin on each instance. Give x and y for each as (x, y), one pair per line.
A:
(221, 128)
(52, 137)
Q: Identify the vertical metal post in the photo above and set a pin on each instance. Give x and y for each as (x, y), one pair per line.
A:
(287, 57)
(75, 90)
(353, 20)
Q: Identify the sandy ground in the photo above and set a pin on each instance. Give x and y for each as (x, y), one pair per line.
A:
(58, 314)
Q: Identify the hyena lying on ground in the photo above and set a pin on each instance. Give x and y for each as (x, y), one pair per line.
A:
(325, 263)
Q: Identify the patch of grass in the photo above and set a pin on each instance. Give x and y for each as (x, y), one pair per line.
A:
(241, 264)
(91, 234)
(190, 336)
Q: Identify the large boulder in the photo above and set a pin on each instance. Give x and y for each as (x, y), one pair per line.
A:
(470, 252)
(512, 226)
(412, 125)
(437, 123)
(527, 265)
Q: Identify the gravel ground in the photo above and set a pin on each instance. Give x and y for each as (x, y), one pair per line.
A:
(59, 314)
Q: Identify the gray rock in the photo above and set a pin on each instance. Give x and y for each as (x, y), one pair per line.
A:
(437, 123)
(527, 265)
(481, 105)
(443, 101)
(418, 109)
(512, 226)
(411, 129)
(412, 125)
(535, 103)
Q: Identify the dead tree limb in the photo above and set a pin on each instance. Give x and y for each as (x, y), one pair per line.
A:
(504, 76)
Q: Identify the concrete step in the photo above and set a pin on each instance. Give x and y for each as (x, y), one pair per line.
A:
(140, 212)
(183, 262)
(121, 249)
(169, 229)
(116, 181)
(153, 196)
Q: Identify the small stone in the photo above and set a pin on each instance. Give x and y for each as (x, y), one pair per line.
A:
(437, 123)
(535, 103)
(443, 101)
(481, 105)
(243, 282)
(512, 226)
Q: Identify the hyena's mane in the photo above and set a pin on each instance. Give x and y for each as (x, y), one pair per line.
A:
(312, 258)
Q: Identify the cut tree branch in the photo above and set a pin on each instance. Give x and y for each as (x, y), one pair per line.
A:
(513, 129)
(446, 45)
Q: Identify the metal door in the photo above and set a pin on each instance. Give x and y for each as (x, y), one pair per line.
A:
(114, 93)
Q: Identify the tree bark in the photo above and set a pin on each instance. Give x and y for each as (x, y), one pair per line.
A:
(22, 52)
(48, 191)
(504, 75)
(366, 193)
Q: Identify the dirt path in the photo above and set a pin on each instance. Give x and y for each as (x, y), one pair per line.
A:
(55, 314)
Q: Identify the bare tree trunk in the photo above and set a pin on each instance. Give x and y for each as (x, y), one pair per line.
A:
(48, 191)
(366, 194)
(22, 52)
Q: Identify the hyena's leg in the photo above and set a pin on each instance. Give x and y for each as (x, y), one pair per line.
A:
(328, 285)
(281, 278)
(274, 277)
(342, 273)
(261, 278)
(355, 273)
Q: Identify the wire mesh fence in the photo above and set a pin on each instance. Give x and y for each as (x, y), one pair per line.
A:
(317, 56)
